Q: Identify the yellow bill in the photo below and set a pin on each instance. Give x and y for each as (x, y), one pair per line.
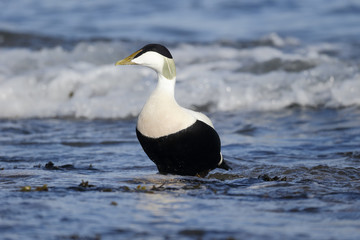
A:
(127, 60)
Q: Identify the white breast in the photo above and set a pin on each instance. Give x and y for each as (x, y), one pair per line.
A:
(162, 116)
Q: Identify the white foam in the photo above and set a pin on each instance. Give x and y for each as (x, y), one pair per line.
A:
(278, 41)
(84, 82)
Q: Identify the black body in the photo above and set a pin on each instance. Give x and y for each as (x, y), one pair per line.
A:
(192, 151)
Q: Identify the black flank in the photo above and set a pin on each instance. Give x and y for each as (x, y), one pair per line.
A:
(192, 151)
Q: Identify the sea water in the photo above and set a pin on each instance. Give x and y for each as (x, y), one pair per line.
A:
(279, 79)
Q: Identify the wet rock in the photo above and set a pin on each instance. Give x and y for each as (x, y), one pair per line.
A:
(51, 166)
(267, 178)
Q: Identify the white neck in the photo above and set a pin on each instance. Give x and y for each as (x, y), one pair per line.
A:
(161, 114)
(165, 87)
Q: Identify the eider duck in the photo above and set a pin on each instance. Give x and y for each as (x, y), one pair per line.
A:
(178, 140)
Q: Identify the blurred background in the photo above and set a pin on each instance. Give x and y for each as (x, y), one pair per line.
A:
(57, 49)
(185, 21)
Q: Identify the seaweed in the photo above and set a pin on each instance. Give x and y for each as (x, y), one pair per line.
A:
(106, 190)
(86, 184)
(51, 166)
(141, 188)
(25, 189)
(43, 188)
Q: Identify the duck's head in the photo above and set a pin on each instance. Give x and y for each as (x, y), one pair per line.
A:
(155, 56)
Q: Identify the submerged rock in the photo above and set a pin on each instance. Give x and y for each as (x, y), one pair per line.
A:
(267, 178)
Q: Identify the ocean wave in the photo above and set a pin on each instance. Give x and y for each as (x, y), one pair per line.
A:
(82, 82)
